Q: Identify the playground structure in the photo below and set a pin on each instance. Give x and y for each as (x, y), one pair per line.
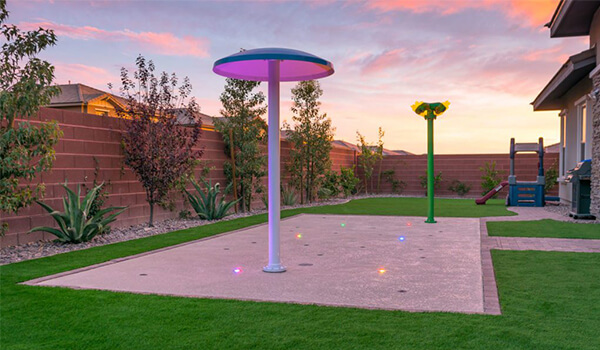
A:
(430, 111)
(522, 193)
(526, 193)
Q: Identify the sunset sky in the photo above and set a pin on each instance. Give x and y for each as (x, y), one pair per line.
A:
(490, 58)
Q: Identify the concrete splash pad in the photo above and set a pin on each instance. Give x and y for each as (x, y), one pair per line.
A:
(332, 260)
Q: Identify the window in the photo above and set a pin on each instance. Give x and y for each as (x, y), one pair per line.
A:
(563, 142)
(581, 130)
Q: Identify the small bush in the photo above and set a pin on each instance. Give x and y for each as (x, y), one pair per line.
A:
(206, 205)
(459, 187)
(348, 181)
(490, 178)
(331, 183)
(437, 181)
(324, 193)
(185, 214)
(74, 224)
(397, 185)
(551, 178)
(265, 199)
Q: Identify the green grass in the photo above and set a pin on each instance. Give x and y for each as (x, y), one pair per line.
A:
(550, 301)
(415, 207)
(544, 228)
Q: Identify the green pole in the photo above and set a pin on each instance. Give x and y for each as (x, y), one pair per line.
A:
(430, 171)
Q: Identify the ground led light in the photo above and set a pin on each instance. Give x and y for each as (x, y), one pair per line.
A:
(237, 270)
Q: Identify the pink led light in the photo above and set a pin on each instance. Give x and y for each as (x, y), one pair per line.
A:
(237, 270)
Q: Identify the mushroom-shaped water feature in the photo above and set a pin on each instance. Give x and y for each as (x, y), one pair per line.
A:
(273, 65)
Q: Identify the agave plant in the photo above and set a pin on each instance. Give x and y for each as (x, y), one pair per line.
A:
(74, 224)
(205, 204)
(288, 196)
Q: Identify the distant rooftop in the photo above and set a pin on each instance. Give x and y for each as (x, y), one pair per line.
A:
(76, 94)
(353, 147)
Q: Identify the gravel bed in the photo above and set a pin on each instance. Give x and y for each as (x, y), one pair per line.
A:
(564, 209)
(42, 249)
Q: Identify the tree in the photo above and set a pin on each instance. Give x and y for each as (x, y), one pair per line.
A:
(25, 150)
(310, 137)
(243, 129)
(156, 146)
(370, 155)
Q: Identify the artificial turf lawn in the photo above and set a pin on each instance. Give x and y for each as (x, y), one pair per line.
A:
(544, 228)
(415, 207)
(550, 301)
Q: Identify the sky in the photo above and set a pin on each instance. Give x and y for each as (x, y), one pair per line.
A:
(489, 58)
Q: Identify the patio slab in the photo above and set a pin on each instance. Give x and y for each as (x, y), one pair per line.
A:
(336, 261)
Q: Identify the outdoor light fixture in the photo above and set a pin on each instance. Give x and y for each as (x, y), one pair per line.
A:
(273, 65)
(430, 111)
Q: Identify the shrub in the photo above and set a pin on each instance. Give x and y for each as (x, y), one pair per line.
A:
(397, 185)
(348, 181)
(437, 181)
(490, 178)
(459, 187)
(551, 178)
(331, 182)
(206, 205)
(74, 224)
(288, 196)
(324, 193)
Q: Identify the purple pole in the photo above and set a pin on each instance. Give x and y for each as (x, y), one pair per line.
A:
(274, 171)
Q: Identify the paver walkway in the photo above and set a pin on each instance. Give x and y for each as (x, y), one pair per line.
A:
(490, 290)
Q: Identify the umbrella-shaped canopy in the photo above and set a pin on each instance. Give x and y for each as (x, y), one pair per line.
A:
(273, 65)
(253, 65)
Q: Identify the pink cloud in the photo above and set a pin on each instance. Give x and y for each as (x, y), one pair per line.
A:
(81, 73)
(553, 54)
(530, 12)
(384, 61)
(161, 43)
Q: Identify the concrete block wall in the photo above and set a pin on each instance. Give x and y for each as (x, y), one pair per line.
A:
(92, 145)
(462, 167)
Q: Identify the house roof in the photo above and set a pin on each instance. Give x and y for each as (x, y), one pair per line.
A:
(402, 152)
(184, 118)
(345, 145)
(572, 18)
(76, 94)
(553, 148)
(572, 72)
(353, 147)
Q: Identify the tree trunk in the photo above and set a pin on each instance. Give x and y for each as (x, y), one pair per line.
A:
(243, 195)
(379, 175)
(151, 222)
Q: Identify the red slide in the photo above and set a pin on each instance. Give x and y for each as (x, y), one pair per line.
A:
(491, 193)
